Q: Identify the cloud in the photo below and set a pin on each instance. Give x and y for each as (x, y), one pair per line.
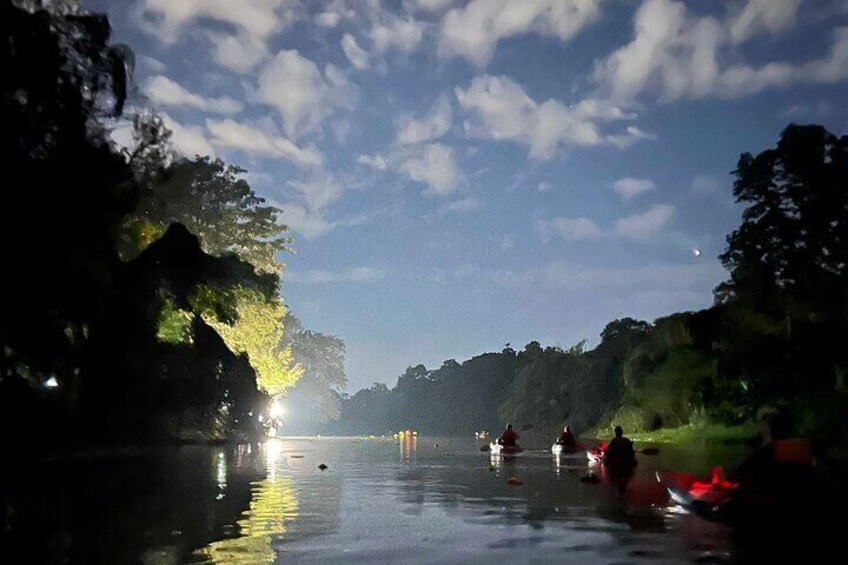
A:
(680, 56)
(631, 135)
(302, 94)
(645, 225)
(544, 186)
(165, 92)
(432, 5)
(473, 31)
(433, 126)
(305, 213)
(308, 223)
(432, 164)
(235, 135)
(649, 279)
(377, 162)
(259, 17)
(568, 229)
(403, 34)
(628, 188)
(462, 206)
(762, 15)
(356, 274)
(501, 110)
(254, 21)
(341, 129)
(188, 140)
(239, 53)
(357, 56)
(507, 242)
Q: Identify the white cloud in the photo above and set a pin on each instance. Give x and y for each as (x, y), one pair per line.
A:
(646, 224)
(357, 56)
(151, 65)
(432, 164)
(462, 206)
(433, 126)
(235, 135)
(404, 34)
(377, 162)
(432, 5)
(240, 52)
(305, 213)
(628, 188)
(356, 274)
(503, 111)
(769, 15)
(630, 136)
(301, 93)
(544, 186)
(680, 56)
(261, 18)
(333, 13)
(473, 31)
(507, 242)
(188, 140)
(567, 229)
(308, 223)
(341, 129)
(165, 92)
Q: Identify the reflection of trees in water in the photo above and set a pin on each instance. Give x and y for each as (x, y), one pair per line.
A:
(273, 504)
(279, 507)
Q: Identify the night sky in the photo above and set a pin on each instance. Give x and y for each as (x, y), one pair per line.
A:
(459, 175)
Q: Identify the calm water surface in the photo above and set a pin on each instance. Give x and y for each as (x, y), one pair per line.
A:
(379, 501)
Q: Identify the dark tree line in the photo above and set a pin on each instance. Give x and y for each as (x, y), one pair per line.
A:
(100, 241)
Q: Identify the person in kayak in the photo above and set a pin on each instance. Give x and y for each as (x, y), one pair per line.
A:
(509, 437)
(566, 438)
(781, 460)
(620, 460)
(620, 450)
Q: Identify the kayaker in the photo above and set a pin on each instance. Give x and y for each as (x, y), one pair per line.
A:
(509, 437)
(620, 450)
(782, 459)
(567, 438)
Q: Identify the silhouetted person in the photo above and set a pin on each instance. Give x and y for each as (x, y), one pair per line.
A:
(567, 438)
(509, 437)
(620, 460)
(780, 498)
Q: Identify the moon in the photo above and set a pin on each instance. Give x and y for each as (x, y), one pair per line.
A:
(696, 252)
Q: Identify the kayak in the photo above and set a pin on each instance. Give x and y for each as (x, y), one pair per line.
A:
(688, 491)
(498, 449)
(559, 449)
(595, 456)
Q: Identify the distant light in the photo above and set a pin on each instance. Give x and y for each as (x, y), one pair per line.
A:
(51, 383)
(277, 409)
(696, 252)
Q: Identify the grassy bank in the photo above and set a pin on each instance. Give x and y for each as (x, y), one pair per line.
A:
(710, 433)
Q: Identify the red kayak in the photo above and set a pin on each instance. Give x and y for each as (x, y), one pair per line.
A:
(687, 490)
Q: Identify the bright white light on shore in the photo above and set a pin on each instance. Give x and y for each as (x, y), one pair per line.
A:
(696, 252)
(51, 383)
(277, 409)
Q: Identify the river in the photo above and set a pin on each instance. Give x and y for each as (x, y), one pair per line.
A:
(427, 500)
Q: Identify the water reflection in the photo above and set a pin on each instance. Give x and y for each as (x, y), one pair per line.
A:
(272, 505)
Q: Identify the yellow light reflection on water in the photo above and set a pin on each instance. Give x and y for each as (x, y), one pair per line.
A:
(273, 504)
